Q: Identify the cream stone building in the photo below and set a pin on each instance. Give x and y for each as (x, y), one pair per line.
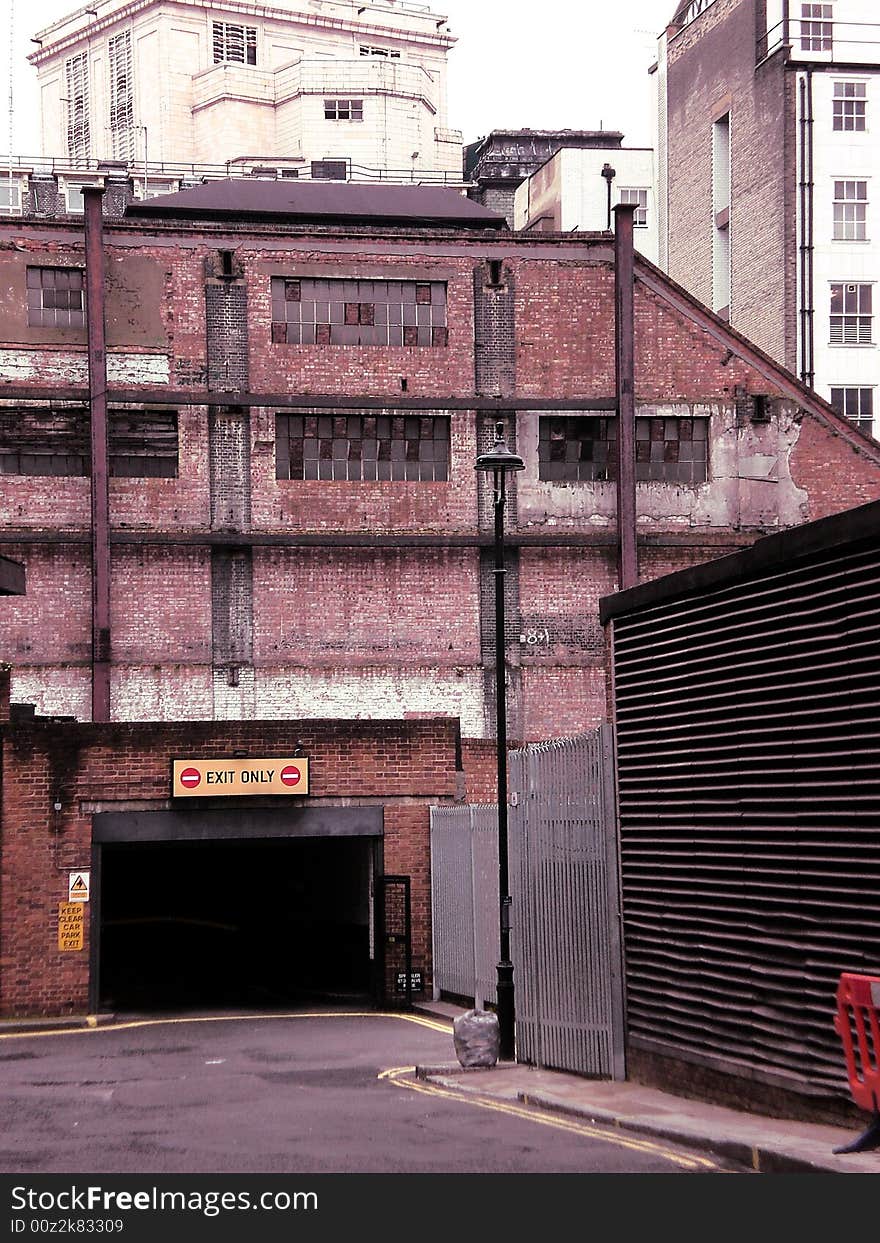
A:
(296, 86)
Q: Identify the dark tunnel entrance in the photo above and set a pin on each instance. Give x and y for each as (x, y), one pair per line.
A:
(235, 924)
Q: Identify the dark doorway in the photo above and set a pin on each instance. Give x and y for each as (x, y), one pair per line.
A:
(234, 924)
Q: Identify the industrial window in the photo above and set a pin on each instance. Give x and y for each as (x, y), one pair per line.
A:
(343, 110)
(850, 106)
(851, 316)
(56, 298)
(235, 43)
(640, 198)
(46, 441)
(77, 80)
(121, 97)
(379, 51)
(10, 197)
(816, 27)
(855, 404)
(850, 211)
(340, 312)
(584, 449)
(366, 448)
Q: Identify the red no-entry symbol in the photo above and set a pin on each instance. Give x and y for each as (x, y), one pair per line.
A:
(190, 777)
(291, 775)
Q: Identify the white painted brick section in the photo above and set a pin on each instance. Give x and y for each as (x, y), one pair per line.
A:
(21, 366)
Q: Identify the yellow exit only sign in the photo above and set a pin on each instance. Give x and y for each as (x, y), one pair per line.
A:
(225, 778)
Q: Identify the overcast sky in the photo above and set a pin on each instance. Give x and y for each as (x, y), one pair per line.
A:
(545, 64)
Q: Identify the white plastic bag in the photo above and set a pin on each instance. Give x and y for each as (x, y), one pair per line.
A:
(476, 1037)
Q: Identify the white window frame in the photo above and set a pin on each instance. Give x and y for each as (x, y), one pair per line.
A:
(850, 209)
(637, 195)
(817, 27)
(344, 109)
(852, 325)
(12, 189)
(847, 91)
(231, 44)
(858, 417)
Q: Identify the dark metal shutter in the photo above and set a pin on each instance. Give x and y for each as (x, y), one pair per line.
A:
(748, 734)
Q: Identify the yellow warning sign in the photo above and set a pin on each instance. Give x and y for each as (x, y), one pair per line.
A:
(71, 925)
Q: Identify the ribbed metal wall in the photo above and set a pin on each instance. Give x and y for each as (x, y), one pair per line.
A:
(748, 734)
(565, 918)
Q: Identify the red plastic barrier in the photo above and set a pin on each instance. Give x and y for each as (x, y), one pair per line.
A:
(857, 1022)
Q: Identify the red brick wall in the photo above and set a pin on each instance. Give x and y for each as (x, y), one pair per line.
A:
(85, 764)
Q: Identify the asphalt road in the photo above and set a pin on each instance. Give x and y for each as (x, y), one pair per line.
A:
(308, 1093)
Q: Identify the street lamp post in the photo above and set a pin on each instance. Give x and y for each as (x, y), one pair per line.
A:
(500, 461)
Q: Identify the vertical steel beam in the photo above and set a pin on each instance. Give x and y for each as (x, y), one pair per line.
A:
(624, 338)
(100, 457)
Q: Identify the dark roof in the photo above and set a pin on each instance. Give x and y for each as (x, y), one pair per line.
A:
(836, 531)
(322, 202)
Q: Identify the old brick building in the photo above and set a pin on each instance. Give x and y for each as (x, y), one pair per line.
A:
(279, 395)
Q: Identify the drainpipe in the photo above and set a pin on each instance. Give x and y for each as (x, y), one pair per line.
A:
(805, 190)
(624, 338)
(609, 174)
(95, 321)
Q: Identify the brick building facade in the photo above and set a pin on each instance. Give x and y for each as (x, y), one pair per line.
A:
(293, 527)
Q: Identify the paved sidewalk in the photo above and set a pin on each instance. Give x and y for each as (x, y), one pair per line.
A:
(767, 1145)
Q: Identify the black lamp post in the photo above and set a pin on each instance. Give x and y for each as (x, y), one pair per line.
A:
(500, 461)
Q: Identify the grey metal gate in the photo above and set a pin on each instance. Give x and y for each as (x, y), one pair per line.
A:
(564, 885)
(464, 897)
(566, 915)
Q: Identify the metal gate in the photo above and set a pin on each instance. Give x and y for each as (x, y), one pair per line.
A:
(564, 884)
(566, 926)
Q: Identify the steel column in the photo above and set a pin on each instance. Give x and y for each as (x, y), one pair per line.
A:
(95, 321)
(624, 340)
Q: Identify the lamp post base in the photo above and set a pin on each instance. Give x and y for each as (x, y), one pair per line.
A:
(504, 1009)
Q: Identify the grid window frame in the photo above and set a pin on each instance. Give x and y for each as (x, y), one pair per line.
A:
(850, 107)
(338, 312)
(56, 298)
(855, 403)
(574, 449)
(639, 197)
(57, 443)
(817, 27)
(850, 210)
(349, 109)
(383, 446)
(851, 316)
(11, 196)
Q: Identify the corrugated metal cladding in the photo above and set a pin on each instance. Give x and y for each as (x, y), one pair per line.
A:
(748, 734)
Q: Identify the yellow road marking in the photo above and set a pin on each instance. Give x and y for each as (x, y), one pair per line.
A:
(437, 1025)
(396, 1075)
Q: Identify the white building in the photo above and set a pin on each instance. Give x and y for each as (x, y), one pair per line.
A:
(577, 188)
(769, 180)
(177, 82)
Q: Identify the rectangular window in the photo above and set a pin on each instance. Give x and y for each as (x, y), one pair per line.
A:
(235, 43)
(340, 312)
(640, 198)
(77, 93)
(343, 110)
(576, 449)
(849, 106)
(850, 211)
(721, 198)
(56, 298)
(121, 97)
(10, 197)
(816, 27)
(366, 448)
(855, 404)
(379, 51)
(851, 316)
(46, 441)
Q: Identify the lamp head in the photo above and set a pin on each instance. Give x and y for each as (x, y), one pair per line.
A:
(499, 459)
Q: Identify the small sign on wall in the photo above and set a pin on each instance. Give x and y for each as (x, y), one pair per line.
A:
(78, 886)
(71, 925)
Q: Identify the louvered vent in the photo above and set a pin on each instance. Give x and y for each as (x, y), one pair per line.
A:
(748, 735)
